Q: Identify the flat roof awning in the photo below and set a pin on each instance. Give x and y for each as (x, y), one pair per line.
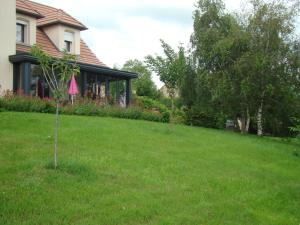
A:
(26, 57)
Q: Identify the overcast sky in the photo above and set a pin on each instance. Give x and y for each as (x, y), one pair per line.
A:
(130, 29)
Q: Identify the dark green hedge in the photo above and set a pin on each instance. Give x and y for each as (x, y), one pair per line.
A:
(198, 117)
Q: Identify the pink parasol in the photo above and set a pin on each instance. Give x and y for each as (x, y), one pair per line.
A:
(73, 90)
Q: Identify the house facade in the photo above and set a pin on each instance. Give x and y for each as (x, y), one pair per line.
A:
(25, 23)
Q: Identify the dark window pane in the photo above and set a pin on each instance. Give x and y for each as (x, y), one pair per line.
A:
(20, 33)
(39, 86)
(68, 45)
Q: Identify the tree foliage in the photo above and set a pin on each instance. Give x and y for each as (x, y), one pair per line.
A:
(170, 67)
(247, 68)
(143, 86)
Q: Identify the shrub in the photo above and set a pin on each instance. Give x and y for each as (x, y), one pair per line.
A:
(168, 103)
(84, 107)
(149, 103)
(202, 118)
(154, 106)
(295, 130)
(87, 109)
(22, 104)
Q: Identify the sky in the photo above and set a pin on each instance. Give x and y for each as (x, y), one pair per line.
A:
(120, 30)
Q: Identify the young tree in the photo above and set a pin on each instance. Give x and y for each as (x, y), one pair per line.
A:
(169, 68)
(57, 73)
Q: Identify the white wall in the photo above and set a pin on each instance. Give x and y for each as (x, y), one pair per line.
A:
(56, 34)
(7, 42)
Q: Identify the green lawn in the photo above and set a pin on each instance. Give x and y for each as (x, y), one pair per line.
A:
(115, 171)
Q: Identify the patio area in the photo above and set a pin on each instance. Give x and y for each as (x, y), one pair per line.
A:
(94, 82)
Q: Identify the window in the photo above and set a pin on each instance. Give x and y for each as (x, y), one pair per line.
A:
(68, 46)
(38, 85)
(68, 41)
(21, 30)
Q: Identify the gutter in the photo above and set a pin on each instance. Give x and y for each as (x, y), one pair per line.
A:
(25, 57)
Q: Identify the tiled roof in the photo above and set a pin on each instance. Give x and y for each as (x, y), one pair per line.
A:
(59, 16)
(52, 15)
(23, 7)
(46, 44)
(86, 55)
(48, 15)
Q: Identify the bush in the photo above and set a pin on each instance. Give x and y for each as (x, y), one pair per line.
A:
(178, 104)
(85, 107)
(154, 106)
(202, 118)
(295, 130)
(23, 104)
(149, 103)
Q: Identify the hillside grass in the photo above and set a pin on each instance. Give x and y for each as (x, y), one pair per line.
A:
(114, 171)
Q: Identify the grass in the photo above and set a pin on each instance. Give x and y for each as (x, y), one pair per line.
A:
(114, 171)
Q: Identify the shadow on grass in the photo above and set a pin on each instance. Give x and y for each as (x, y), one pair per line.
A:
(296, 153)
(73, 168)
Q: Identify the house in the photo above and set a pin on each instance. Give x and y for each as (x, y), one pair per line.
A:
(25, 23)
(164, 91)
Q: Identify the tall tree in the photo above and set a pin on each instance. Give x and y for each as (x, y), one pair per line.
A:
(271, 26)
(144, 85)
(188, 85)
(246, 68)
(218, 42)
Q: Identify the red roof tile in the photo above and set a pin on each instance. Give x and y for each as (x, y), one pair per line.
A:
(53, 15)
(23, 7)
(42, 40)
(50, 16)
(59, 16)
(86, 55)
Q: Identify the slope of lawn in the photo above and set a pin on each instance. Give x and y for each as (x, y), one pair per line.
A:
(115, 171)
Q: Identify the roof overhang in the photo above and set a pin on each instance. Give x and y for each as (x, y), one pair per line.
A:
(29, 13)
(117, 74)
(56, 22)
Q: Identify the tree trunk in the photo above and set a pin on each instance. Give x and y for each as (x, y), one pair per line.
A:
(260, 119)
(172, 104)
(56, 135)
(242, 124)
(171, 93)
(248, 121)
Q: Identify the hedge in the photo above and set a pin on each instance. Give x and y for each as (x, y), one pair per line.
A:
(83, 107)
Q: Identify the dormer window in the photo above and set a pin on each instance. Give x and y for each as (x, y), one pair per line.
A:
(68, 42)
(22, 31)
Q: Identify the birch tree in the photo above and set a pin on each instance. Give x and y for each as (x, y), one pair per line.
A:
(271, 27)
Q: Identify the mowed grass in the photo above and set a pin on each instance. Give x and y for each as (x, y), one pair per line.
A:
(114, 171)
